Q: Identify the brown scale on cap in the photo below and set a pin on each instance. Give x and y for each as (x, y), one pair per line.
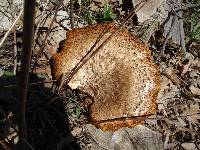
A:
(121, 77)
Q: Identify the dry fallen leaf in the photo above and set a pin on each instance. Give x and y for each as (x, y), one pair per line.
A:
(136, 138)
(148, 10)
(189, 146)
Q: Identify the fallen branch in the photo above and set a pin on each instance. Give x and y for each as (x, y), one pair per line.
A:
(11, 28)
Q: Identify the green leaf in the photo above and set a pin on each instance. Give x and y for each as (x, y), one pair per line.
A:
(196, 33)
(195, 27)
(8, 73)
(54, 1)
(195, 1)
(40, 76)
(89, 17)
(193, 21)
(108, 14)
(78, 111)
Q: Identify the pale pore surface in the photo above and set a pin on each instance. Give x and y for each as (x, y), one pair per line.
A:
(121, 78)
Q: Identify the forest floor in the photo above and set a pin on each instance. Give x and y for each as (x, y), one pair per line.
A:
(56, 123)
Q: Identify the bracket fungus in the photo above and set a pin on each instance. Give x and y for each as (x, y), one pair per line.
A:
(121, 78)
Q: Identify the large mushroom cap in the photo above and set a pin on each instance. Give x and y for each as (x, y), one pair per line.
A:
(121, 78)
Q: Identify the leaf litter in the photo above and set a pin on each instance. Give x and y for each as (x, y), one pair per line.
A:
(61, 122)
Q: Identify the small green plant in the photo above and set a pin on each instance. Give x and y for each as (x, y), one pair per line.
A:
(76, 112)
(195, 27)
(195, 1)
(106, 15)
(89, 17)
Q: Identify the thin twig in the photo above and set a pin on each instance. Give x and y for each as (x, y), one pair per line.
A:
(11, 28)
(71, 14)
(15, 51)
(47, 52)
(174, 81)
(178, 84)
(7, 119)
(166, 39)
(30, 84)
(5, 14)
(8, 11)
(40, 19)
(60, 23)
(29, 145)
(47, 34)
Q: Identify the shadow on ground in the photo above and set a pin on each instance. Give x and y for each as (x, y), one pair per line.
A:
(47, 124)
